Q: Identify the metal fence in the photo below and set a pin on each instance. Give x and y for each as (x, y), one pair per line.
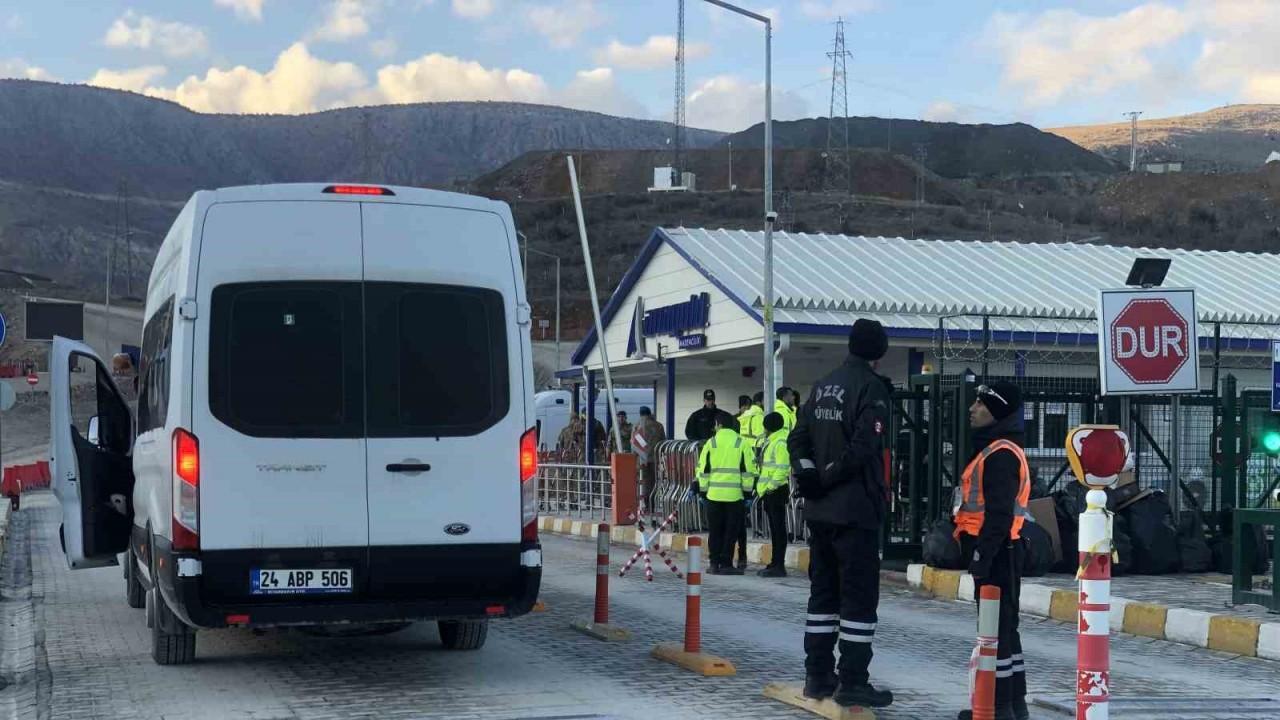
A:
(574, 490)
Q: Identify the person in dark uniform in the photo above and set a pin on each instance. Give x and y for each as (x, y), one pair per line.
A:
(837, 457)
(990, 510)
(702, 422)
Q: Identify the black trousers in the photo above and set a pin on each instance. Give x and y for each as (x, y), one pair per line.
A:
(742, 534)
(725, 519)
(844, 593)
(1006, 574)
(775, 508)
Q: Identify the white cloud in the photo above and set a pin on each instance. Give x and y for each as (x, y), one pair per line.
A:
(174, 39)
(436, 78)
(597, 90)
(133, 79)
(659, 51)
(562, 23)
(1061, 53)
(249, 10)
(727, 103)
(297, 83)
(1239, 52)
(345, 20)
(473, 9)
(832, 9)
(384, 48)
(943, 111)
(17, 68)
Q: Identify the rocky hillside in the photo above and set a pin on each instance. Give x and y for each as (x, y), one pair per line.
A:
(1231, 138)
(544, 174)
(950, 149)
(87, 139)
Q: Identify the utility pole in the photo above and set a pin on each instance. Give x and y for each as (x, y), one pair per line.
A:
(838, 172)
(922, 154)
(1133, 139)
(680, 119)
(730, 166)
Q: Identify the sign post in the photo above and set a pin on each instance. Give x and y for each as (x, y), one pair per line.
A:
(1275, 376)
(1148, 341)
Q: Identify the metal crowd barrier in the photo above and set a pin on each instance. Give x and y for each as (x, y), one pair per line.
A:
(570, 489)
(677, 472)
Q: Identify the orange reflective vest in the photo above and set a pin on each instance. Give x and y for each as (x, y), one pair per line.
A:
(970, 503)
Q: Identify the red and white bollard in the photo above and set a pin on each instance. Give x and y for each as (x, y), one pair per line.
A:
(1093, 663)
(598, 626)
(693, 599)
(602, 575)
(982, 701)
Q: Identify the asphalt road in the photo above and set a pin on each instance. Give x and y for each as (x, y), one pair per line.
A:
(91, 654)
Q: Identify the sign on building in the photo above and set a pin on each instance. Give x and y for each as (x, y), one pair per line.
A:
(1148, 341)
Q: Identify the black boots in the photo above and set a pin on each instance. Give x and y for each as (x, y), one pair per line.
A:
(862, 696)
(820, 687)
(773, 571)
(1020, 709)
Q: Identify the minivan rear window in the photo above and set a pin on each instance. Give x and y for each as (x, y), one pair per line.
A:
(285, 359)
(437, 358)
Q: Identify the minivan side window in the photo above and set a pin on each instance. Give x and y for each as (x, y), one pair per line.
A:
(153, 371)
(285, 359)
(437, 358)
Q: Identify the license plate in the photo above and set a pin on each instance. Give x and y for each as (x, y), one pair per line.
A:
(299, 582)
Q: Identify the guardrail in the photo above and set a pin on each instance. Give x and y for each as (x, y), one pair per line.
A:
(574, 490)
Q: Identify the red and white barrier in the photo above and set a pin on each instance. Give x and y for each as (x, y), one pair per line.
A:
(602, 575)
(647, 542)
(982, 699)
(693, 599)
(1093, 630)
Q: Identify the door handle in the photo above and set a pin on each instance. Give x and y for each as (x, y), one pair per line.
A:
(408, 467)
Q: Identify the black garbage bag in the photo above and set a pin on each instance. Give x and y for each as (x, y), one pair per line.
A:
(1037, 555)
(1154, 537)
(1196, 555)
(1070, 561)
(1039, 487)
(941, 549)
(1224, 544)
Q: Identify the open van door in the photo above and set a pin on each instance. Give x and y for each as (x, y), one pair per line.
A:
(92, 470)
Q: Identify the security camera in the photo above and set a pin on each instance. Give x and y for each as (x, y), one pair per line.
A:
(771, 217)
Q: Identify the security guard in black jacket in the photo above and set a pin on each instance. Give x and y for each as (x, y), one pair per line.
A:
(838, 460)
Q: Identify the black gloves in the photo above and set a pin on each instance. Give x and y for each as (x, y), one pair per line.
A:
(809, 483)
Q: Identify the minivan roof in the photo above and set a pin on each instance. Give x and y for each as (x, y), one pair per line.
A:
(315, 191)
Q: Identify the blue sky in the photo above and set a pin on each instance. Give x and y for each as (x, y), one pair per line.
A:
(1039, 61)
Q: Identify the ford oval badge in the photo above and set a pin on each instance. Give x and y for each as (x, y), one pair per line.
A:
(457, 529)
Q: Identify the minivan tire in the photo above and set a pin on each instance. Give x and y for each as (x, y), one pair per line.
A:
(463, 634)
(134, 593)
(172, 641)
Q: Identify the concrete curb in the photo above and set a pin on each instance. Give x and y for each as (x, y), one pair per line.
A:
(760, 553)
(1226, 633)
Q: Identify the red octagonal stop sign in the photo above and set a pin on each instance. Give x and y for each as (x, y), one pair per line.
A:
(1150, 341)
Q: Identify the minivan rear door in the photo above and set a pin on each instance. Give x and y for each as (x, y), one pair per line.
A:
(445, 388)
(278, 399)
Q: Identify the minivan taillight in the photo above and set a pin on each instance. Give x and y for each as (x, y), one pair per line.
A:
(186, 491)
(529, 486)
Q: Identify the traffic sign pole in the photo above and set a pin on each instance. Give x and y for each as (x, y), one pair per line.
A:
(1275, 376)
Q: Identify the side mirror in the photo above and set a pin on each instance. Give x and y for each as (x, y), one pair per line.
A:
(93, 430)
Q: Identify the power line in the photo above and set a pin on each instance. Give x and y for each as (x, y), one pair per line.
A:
(838, 175)
(679, 119)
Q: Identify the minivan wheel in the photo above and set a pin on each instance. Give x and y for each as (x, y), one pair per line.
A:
(134, 593)
(172, 641)
(463, 634)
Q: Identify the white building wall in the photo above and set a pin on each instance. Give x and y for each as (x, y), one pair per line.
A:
(667, 280)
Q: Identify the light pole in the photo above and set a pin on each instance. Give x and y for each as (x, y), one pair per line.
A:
(528, 250)
(770, 216)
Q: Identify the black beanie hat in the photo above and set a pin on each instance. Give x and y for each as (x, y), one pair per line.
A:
(744, 400)
(868, 340)
(1001, 398)
(773, 422)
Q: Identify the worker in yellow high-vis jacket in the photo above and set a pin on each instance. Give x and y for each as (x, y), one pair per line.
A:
(726, 477)
(774, 491)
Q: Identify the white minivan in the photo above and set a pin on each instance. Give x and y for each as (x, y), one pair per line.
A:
(334, 422)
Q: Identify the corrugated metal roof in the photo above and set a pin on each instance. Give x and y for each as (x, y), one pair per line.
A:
(827, 279)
